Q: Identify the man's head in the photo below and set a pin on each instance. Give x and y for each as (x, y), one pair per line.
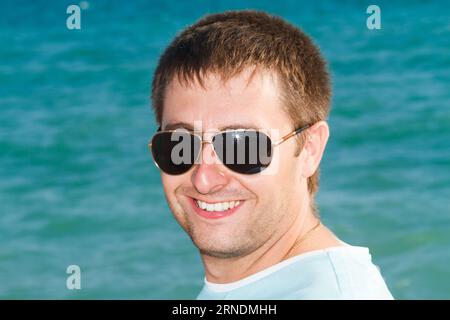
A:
(244, 70)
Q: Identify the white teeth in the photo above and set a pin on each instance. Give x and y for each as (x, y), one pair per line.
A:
(234, 204)
(219, 206)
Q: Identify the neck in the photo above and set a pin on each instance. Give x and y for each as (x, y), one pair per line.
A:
(273, 251)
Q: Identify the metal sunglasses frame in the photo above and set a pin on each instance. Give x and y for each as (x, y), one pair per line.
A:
(210, 141)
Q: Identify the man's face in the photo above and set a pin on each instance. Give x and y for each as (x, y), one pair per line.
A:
(268, 203)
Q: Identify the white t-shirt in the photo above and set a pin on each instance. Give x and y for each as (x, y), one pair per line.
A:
(345, 272)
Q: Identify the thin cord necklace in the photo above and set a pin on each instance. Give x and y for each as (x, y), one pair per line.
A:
(300, 240)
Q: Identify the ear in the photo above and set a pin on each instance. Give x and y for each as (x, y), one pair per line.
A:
(316, 140)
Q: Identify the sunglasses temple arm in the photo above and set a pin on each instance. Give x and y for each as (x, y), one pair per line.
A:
(290, 135)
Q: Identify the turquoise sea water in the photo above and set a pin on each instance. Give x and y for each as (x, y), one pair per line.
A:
(77, 184)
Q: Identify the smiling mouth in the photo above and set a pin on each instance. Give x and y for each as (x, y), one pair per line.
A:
(218, 206)
(214, 210)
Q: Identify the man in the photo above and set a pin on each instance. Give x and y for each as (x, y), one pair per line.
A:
(241, 99)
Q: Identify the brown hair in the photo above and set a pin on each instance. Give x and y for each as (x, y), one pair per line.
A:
(229, 42)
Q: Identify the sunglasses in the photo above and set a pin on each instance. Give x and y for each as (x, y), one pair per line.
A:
(242, 151)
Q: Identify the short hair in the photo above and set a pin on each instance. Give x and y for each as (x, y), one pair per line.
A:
(229, 42)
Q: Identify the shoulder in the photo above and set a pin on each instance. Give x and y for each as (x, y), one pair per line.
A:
(344, 272)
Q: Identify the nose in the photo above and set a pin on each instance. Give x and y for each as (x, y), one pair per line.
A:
(209, 176)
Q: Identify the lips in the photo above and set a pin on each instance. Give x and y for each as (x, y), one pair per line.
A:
(215, 210)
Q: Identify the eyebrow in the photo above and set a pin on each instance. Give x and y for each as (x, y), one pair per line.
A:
(178, 125)
(189, 127)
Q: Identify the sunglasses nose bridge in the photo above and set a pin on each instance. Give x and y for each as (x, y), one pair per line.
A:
(213, 149)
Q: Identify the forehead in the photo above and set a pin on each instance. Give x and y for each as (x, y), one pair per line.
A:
(249, 100)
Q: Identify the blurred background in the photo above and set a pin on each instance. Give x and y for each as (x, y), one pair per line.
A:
(78, 186)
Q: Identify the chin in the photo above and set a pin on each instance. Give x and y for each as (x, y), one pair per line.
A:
(219, 245)
(223, 252)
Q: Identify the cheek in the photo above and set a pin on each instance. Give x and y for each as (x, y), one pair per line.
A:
(280, 184)
(291, 169)
(265, 188)
(170, 184)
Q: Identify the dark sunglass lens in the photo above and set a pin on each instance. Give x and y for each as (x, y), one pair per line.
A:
(246, 152)
(175, 152)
